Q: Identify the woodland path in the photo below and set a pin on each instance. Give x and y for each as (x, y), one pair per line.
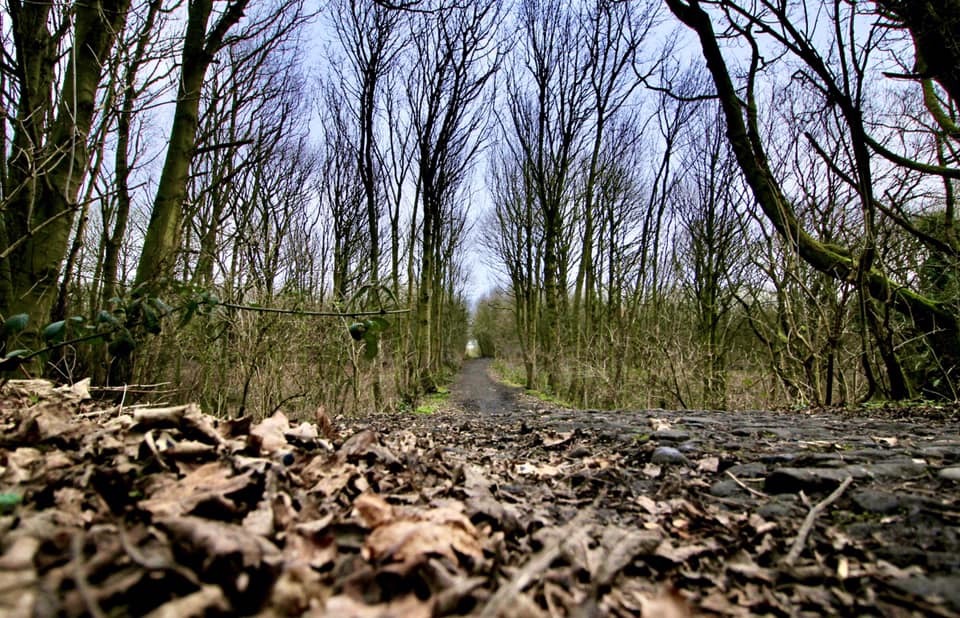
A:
(730, 491)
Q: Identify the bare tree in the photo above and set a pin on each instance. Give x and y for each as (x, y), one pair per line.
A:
(549, 106)
(455, 58)
(841, 80)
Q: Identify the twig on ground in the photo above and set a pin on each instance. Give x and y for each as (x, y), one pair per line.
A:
(753, 491)
(80, 577)
(810, 519)
(506, 595)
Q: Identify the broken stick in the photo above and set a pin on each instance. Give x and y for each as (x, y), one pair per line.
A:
(810, 519)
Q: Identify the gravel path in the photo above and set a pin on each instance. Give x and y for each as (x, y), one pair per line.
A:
(899, 515)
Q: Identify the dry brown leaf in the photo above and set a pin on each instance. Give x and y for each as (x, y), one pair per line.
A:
(343, 606)
(330, 480)
(260, 520)
(212, 481)
(681, 554)
(268, 437)
(317, 552)
(561, 440)
(372, 510)
(619, 547)
(324, 424)
(298, 589)
(543, 471)
(709, 465)
(440, 532)
(666, 605)
(207, 600)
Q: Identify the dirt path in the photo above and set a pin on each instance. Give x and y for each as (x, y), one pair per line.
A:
(475, 391)
(742, 484)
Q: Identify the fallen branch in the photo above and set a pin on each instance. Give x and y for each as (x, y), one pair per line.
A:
(811, 518)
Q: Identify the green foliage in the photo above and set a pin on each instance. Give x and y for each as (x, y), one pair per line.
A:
(9, 502)
(15, 324)
(122, 328)
(369, 332)
(433, 402)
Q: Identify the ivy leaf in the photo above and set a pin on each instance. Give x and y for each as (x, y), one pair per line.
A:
(357, 330)
(151, 320)
(105, 317)
(9, 502)
(15, 323)
(371, 345)
(378, 324)
(13, 359)
(161, 306)
(54, 331)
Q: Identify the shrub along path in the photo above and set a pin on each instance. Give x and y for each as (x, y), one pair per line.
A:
(498, 505)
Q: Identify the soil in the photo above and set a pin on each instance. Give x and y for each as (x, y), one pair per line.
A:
(497, 505)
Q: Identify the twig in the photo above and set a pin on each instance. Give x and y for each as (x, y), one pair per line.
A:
(135, 388)
(505, 596)
(321, 314)
(755, 492)
(808, 522)
(80, 577)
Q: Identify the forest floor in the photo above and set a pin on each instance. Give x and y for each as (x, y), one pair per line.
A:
(496, 505)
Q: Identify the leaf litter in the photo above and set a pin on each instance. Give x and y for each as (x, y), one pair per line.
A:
(167, 512)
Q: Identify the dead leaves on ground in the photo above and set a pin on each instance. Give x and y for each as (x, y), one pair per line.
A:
(168, 512)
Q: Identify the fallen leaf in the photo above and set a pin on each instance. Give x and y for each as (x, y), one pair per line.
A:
(213, 482)
(268, 437)
(342, 606)
(709, 464)
(372, 510)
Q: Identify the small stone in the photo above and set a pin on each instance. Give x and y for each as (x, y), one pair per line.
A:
(690, 446)
(898, 469)
(778, 458)
(748, 470)
(876, 501)
(726, 489)
(792, 480)
(668, 455)
(671, 435)
(950, 474)
(777, 507)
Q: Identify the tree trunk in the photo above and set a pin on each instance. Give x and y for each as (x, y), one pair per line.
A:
(43, 181)
(162, 240)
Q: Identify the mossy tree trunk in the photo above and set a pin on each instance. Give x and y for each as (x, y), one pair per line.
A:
(162, 241)
(49, 158)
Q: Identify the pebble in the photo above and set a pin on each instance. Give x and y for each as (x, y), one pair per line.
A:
(950, 474)
(671, 435)
(792, 480)
(668, 455)
(876, 501)
(748, 470)
(726, 489)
